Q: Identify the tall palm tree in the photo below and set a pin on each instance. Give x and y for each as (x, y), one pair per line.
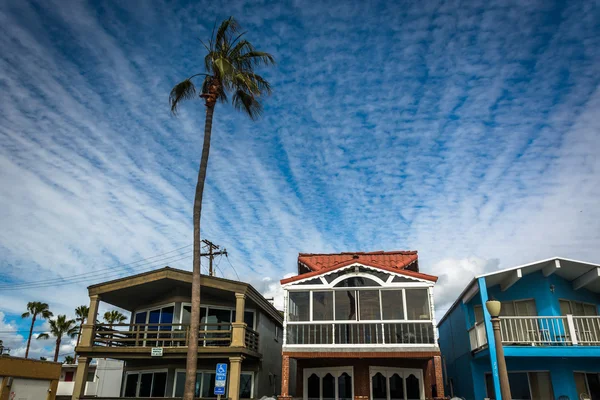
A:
(81, 314)
(35, 309)
(69, 360)
(60, 327)
(229, 67)
(114, 317)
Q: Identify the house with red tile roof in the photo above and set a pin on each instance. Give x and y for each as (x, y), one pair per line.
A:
(360, 325)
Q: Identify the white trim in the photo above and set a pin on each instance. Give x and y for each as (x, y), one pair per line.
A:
(336, 372)
(357, 264)
(511, 280)
(356, 275)
(550, 269)
(388, 372)
(400, 285)
(586, 279)
(370, 346)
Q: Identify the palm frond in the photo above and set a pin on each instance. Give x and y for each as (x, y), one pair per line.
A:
(255, 58)
(227, 27)
(25, 315)
(184, 90)
(247, 103)
(42, 336)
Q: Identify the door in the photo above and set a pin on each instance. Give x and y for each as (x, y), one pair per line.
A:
(29, 389)
(396, 384)
(328, 383)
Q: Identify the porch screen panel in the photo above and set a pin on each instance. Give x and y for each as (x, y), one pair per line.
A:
(345, 305)
(344, 387)
(328, 387)
(417, 304)
(299, 306)
(379, 386)
(322, 306)
(369, 305)
(393, 304)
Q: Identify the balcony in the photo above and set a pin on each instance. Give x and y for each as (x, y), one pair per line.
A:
(119, 336)
(566, 330)
(360, 333)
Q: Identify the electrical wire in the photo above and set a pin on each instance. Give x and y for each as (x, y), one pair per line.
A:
(232, 267)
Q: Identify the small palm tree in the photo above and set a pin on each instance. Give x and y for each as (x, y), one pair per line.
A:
(81, 314)
(43, 359)
(35, 309)
(60, 327)
(114, 317)
(69, 360)
(229, 67)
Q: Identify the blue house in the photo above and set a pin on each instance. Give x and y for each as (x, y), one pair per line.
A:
(550, 332)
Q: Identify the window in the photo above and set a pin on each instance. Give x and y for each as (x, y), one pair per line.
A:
(345, 305)
(322, 306)
(524, 385)
(392, 303)
(357, 281)
(369, 305)
(299, 308)
(417, 304)
(145, 384)
(90, 376)
(577, 308)
(588, 383)
(245, 385)
(518, 308)
(478, 310)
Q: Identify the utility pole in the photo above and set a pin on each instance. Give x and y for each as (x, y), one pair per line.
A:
(211, 254)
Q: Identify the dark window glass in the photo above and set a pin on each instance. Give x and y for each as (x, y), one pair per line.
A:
(159, 385)
(392, 304)
(345, 305)
(396, 387)
(314, 387)
(344, 387)
(322, 306)
(208, 384)
(328, 387)
(381, 275)
(379, 384)
(249, 319)
(489, 387)
(400, 279)
(90, 376)
(417, 304)
(131, 385)
(245, 386)
(369, 305)
(298, 309)
(180, 383)
(413, 389)
(140, 318)
(357, 281)
(519, 385)
(593, 381)
(145, 385)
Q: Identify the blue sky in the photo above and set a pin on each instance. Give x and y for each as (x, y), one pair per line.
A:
(465, 130)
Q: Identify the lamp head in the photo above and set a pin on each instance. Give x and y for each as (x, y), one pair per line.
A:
(493, 307)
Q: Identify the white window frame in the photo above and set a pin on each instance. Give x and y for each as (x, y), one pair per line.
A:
(139, 381)
(527, 372)
(387, 372)
(336, 372)
(583, 303)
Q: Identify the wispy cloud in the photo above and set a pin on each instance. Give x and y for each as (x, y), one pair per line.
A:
(465, 130)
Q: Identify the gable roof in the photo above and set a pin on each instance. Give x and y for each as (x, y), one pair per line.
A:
(400, 262)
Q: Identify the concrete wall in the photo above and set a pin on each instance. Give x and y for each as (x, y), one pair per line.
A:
(108, 377)
(28, 379)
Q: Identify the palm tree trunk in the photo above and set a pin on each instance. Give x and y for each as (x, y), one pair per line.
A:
(56, 349)
(78, 338)
(29, 339)
(192, 353)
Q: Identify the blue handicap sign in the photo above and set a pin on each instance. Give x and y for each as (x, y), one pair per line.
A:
(220, 379)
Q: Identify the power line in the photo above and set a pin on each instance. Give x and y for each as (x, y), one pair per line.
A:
(94, 276)
(85, 274)
(232, 267)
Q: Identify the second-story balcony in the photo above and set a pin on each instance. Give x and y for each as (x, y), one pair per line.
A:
(566, 330)
(169, 335)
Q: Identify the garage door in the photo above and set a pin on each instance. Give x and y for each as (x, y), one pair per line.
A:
(29, 389)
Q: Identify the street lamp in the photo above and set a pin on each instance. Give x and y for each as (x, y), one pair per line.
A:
(493, 307)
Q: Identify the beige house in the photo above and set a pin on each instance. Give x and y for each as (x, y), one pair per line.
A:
(22, 378)
(238, 327)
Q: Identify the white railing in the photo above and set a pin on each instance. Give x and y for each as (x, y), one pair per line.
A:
(477, 336)
(360, 332)
(587, 330)
(535, 331)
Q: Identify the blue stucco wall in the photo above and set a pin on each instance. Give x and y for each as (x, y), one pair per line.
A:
(456, 349)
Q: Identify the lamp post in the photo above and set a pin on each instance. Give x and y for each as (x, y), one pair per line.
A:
(493, 307)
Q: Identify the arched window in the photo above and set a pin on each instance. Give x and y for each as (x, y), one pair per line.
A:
(357, 281)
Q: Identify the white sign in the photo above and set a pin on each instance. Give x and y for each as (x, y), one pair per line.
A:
(156, 352)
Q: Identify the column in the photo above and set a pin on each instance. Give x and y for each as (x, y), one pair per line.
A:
(235, 370)
(285, 378)
(52, 390)
(87, 329)
(81, 377)
(4, 388)
(428, 379)
(439, 376)
(489, 330)
(238, 334)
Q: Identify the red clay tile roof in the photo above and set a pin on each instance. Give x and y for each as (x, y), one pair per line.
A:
(401, 262)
